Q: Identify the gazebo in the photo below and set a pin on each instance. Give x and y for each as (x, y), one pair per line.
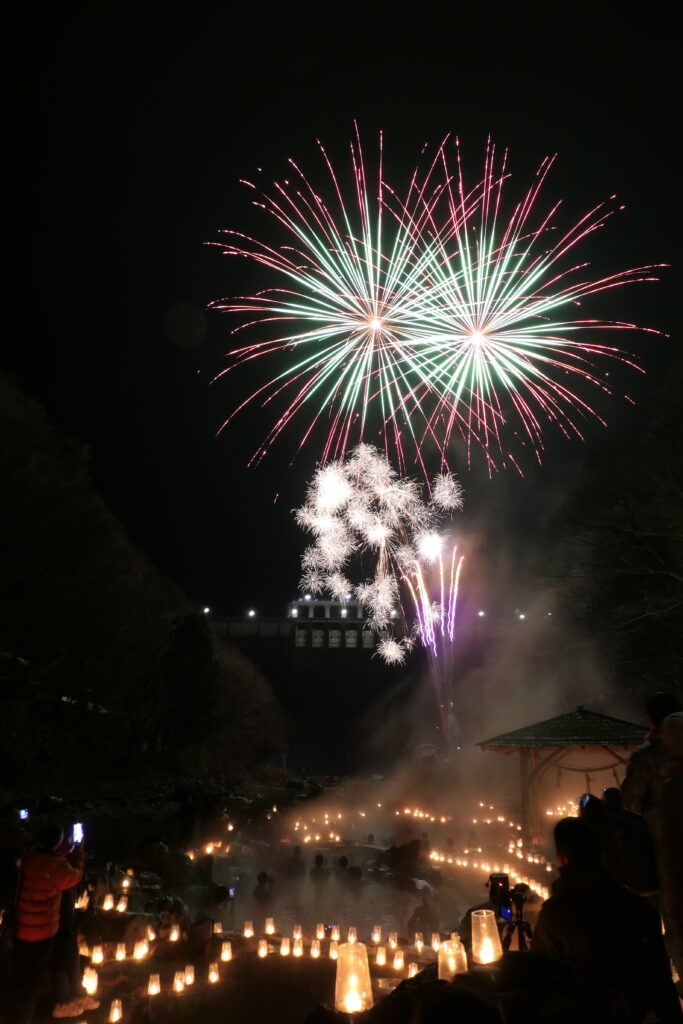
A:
(597, 742)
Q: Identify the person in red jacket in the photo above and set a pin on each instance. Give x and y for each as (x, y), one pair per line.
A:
(45, 875)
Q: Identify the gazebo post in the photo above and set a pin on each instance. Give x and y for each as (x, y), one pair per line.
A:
(525, 791)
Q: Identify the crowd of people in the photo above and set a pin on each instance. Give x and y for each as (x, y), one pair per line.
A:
(596, 945)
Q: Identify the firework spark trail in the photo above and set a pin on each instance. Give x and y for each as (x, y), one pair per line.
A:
(416, 317)
(360, 508)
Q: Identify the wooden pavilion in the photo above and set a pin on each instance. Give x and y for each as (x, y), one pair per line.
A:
(580, 741)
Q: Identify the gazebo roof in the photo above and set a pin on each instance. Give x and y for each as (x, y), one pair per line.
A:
(578, 728)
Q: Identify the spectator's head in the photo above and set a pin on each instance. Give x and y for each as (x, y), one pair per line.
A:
(50, 837)
(319, 860)
(590, 807)
(371, 838)
(577, 843)
(659, 706)
(343, 862)
(672, 735)
(296, 852)
(262, 878)
(612, 798)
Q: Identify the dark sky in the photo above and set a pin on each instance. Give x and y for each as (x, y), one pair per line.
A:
(129, 127)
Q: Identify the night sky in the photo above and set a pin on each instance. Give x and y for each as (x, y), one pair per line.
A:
(129, 128)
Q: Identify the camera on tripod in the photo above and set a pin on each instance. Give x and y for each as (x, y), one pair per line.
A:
(510, 903)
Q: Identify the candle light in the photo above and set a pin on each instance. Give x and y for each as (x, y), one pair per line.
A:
(226, 951)
(125, 882)
(393, 940)
(436, 941)
(398, 960)
(284, 947)
(381, 956)
(120, 951)
(217, 927)
(452, 960)
(248, 929)
(315, 948)
(90, 980)
(298, 947)
(97, 955)
(122, 905)
(175, 933)
(140, 950)
(419, 941)
(297, 932)
(320, 931)
(262, 948)
(353, 990)
(115, 1011)
(214, 976)
(189, 974)
(154, 985)
(270, 926)
(335, 934)
(334, 949)
(108, 902)
(82, 901)
(179, 981)
(352, 935)
(376, 934)
(151, 934)
(486, 947)
(412, 970)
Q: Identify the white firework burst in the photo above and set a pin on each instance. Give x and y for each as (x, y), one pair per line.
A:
(446, 492)
(391, 651)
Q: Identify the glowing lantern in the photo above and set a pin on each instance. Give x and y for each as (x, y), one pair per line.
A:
(108, 902)
(82, 901)
(353, 991)
(217, 927)
(335, 934)
(381, 956)
(419, 942)
(298, 947)
(248, 929)
(334, 950)
(175, 933)
(90, 980)
(154, 985)
(125, 882)
(399, 961)
(297, 932)
(436, 941)
(486, 947)
(284, 947)
(179, 981)
(140, 950)
(151, 934)
(315, 948)
(376, 934)
(189, 975)
(270, 926)
(97, 955)
(120, 951)
(320, 931)
(122, 905)
(352, 935)
(412, 970)
(262, 948)
(214, 976)
(115, 1011)
(393, 940)
(452, 960)
(226, 951)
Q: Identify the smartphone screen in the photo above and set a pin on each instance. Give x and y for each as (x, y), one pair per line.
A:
(231, 893)
(23, 813)
(77, 832)
(506, 913)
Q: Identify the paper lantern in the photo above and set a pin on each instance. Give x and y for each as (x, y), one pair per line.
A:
(270, 926)
(120, 951)
(353, 991)
(452, 960)
(399, 961)
(140, 950)
(436, 941)
(214, 976)
(154, 985)
(179, 981)
(108, 902)
(297, 932)
(262, 948)
(320, 931)
(97, 955)
(248, 929)
(486, 947)
(284, 947)
(115, 1011)
(175, 933)
(315, 948)
(122, 905)
(226, 951)
(334, 949)
(335, 934)
(412, 970)
(151, 934)
(217, 927)
(393, 940)
(381, 956)
(298, 947)
(419, 942)
(352, 935)
(90, 980)
(376, 934)
(189, 974)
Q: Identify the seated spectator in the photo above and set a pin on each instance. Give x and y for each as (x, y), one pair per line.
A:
(319, 874)
(610, 936)
(263, 893)
(425, 917)
(341, 872)
(294, 867)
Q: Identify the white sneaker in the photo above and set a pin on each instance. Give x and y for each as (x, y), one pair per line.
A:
(72, 1009)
